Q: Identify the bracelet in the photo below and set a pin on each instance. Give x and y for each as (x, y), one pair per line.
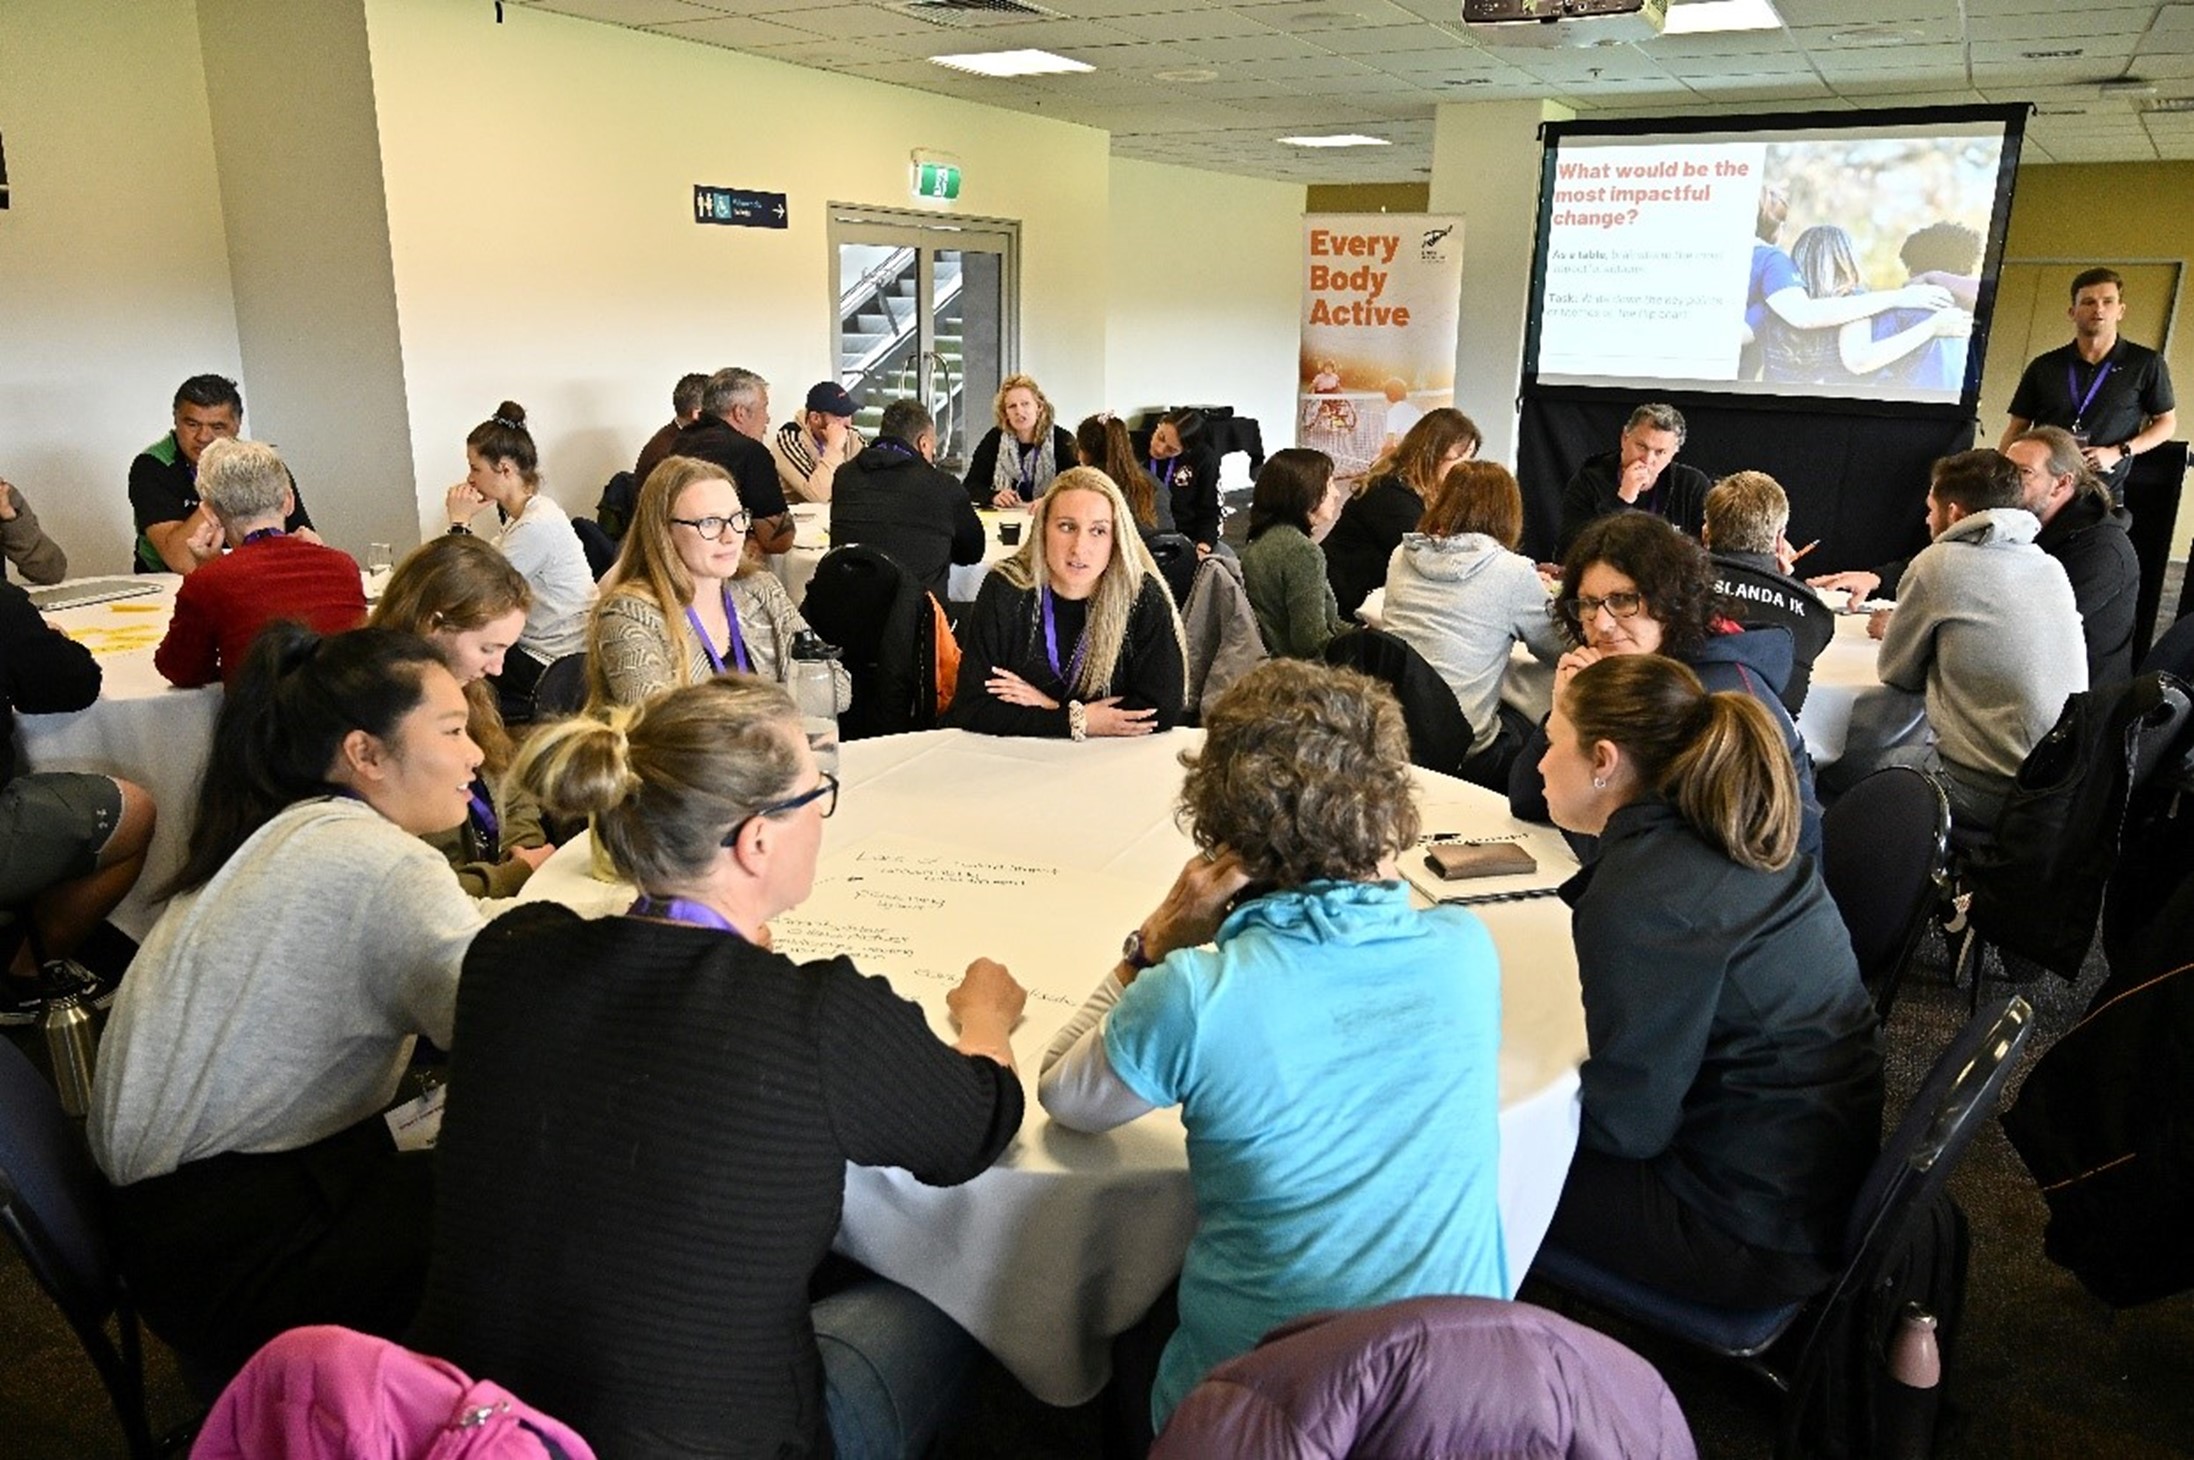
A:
(1077, 719)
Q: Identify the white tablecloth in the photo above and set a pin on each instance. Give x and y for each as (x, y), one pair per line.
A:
(140, 728)
(1848, 701)
(1071, 1237)
(811, 539)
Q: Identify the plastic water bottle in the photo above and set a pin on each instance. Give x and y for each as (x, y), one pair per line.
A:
(66, 1023)
(815, 690)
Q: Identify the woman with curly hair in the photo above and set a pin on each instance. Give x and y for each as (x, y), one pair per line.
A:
(1332, 1048)
(1017, 459)
(1632, 584)
(1393, 500)
(1075, 634)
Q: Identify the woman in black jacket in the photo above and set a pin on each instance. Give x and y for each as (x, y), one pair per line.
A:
(1732, 1095)
(1016, 460)
(1392, 501)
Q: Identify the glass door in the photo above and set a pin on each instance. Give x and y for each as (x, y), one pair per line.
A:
(926, 309)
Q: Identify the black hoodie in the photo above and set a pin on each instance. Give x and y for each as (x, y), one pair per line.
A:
(891, 499)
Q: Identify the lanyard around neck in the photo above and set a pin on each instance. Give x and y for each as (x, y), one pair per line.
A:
(2072, 386)
(681, 910)
(1073, 670)
(738, 642)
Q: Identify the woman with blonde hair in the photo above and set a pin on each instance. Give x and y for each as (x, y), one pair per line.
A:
(469, 602)
(1459, 593)
(1017, 459)
(1333, 1167)
(1075, 634)
(1732, 1095)
(505, 471)
(644, 1156)
(1392, 500)
(684, 600)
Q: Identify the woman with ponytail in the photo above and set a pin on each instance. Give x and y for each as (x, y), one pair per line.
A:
(643, 1162)
(504, 470)
(267, 1020)
(1732, 1095)
(1103, 442)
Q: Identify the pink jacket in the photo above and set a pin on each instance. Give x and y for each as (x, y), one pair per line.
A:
(331, 1394)
(1453, 1377)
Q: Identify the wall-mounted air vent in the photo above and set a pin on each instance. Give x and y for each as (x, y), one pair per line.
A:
(972, 12)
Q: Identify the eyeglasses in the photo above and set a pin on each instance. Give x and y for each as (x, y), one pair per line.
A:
(1621, 605)
(714, 528)
(826, 792)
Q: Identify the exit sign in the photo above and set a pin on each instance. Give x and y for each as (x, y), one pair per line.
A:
(936, 180)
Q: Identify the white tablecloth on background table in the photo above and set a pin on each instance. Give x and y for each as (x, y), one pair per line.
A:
(1070, 1237)
(1847, 696)
(141, 728)
(811, 540)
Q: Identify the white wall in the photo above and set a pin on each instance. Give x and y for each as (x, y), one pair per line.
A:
(1206, 294)
(539, 178)
(114, 280)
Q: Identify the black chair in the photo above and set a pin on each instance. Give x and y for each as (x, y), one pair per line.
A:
(562, 688)
(2173, 651)
(884, 624)
(49, 1206)
(1885, 854)
(1176, 558)
(597, 544)
(1794, 1346)
(1439, 735)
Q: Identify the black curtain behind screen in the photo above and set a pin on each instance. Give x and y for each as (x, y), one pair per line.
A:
(1857, 482)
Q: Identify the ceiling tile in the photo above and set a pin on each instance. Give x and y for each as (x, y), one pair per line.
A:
(630, 12)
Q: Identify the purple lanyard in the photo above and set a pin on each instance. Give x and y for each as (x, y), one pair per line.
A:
(1165, 476)
(483, 817)
(2072, 388)
(738, 644)
(1073, 671)
(681, 910)
(261, 535)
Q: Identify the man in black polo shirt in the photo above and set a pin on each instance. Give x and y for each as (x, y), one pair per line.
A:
(2113, 396)
(173, 535)
(1644, 474)
(731, 429)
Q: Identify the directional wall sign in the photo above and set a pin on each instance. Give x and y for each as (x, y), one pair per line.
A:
(738, 207)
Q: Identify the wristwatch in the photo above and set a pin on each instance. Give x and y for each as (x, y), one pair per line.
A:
(2126, 452)
(1132, 954)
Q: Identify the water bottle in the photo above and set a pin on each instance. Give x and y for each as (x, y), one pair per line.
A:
(814, 688)
(1910, 1399)
(66, 1023)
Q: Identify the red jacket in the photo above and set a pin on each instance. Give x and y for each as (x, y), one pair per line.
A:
(222, 607)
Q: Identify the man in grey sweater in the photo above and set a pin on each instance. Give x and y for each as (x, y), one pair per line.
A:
(1986, 625)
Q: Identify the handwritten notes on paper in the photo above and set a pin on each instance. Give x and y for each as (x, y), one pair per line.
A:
(918, 914)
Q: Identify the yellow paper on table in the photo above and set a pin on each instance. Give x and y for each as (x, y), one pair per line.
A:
(118, 639)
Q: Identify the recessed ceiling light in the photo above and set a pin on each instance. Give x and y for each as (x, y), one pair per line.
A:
(1189, 75)
(1702, 17)
(1342, 139)
(1012, 63)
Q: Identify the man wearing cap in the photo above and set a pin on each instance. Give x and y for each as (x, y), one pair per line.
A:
(810, 450)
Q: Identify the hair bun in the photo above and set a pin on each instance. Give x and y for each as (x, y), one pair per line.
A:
(510, 413)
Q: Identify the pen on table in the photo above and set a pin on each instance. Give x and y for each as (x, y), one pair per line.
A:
(1809, 547)
(1476, 899)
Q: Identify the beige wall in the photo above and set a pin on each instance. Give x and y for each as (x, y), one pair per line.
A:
(540, 178)
(308, 238)
(2109, 212)
(1206, 295)
(114, 279)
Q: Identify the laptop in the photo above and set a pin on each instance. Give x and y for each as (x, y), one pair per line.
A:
(87, 591)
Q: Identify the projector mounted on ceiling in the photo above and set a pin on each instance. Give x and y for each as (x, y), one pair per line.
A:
(1564, 22)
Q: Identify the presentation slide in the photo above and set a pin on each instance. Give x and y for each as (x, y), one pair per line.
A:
(1848, 262)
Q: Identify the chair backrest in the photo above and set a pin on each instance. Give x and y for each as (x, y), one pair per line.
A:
(1176, 558)
(2173, 652)
(1439, 734)
(50, 1193)
(562, 688)
(1884, 849)
(1431, 1376)
(880, 618)
(596, 542)
(614, 511)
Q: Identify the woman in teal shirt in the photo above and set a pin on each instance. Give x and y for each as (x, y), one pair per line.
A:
(1334, 1052)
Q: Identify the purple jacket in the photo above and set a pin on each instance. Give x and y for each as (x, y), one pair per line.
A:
(330, 1394)
(1454, 1377)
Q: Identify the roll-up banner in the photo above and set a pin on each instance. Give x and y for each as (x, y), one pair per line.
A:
(1381, 293)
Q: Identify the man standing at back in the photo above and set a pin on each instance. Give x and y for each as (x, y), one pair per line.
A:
(2113, 396)
(1643, 475)
(173, 535)
(1985, 626)
(892, 498)
(733, 423)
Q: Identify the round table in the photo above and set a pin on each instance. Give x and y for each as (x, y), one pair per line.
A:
(811, 540)
(1848, 710)
(141, 728)
(948, 845)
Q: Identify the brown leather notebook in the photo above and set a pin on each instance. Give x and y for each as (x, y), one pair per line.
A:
(1458, 861)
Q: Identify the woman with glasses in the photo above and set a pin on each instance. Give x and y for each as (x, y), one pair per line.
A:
(685, 601)
(1632, 584)
(1732, 1098)
(642, 1164)
(505, 471)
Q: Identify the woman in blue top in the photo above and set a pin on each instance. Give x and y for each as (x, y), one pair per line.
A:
(1334, 1054)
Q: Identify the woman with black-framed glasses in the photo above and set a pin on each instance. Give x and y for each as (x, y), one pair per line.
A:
(643, 1159)
(686, 601)
(1633, 584)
